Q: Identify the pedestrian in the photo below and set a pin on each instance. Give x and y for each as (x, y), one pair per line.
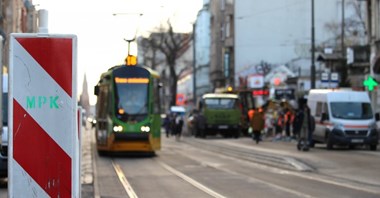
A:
(297, 122)
(201, 126)
(257, 124)
(279, 124)
(166, 125)
(288, 118)
(308, 126)
(178, 126)
(172, 124)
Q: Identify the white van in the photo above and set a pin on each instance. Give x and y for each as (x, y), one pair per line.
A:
(343, 117)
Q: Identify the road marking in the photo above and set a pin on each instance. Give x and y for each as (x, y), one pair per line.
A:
(191, 181)
(291, 191)
(128, 188)
(311, 176)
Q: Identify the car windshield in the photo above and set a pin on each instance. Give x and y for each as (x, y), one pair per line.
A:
(220, 103)
(351, 110)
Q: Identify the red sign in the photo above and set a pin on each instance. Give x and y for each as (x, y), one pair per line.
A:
(260, 92)
(180, 99)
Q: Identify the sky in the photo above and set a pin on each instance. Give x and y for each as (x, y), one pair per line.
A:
(102, 26)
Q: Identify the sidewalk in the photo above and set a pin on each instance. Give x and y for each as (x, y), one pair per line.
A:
(87, 171)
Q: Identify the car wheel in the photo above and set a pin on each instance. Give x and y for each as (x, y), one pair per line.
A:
(329, 143)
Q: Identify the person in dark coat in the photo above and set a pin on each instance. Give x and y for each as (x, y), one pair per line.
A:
(166, 125)
(200, 126)
(172, 124)
(307, 127)
(297, 123)
(178, 126)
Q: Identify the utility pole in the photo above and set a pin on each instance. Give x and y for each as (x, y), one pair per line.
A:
(312, 69)
(194, 68)
(344, 73)
(370, 19)
(342, 34)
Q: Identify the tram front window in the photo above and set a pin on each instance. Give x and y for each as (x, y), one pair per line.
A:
(132, 101)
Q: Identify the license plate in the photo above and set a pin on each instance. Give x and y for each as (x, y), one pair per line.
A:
(223, 127)
(357, 140)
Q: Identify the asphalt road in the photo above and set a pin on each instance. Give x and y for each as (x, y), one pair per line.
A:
(218, 167)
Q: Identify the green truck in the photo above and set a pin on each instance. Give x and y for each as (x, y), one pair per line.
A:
(221, 113)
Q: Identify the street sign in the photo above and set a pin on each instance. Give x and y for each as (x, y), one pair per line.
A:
(370, 83)
(334, 77)
(325, 77)
(44, 142)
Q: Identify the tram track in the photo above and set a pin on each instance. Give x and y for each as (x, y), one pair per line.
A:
(132, 194)
(292, 168)
(288, 163)
(177, 150)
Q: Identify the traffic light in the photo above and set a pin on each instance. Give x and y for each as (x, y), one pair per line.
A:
(131, 60)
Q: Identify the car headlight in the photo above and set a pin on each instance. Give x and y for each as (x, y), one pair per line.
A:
(145, 129)
(339, 126)
(117, 128)
(372, 126)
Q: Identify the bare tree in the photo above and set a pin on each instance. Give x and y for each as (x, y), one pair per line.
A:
(172, 45)
(354, 26)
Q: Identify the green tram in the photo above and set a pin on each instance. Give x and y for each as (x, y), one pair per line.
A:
(128, 110)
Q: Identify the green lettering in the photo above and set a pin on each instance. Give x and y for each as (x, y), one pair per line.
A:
(30, 102)
(41, 101)
(53, 102)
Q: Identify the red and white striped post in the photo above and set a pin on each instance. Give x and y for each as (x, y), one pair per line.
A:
(43, 143)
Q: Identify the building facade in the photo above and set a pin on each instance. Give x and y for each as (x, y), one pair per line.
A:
(278, 32)
(16, 16)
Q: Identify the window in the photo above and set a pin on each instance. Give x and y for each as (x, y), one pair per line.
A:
(321, 108)
(221, 103)
(131, 101)
(228, 26)
(356, 110)
(223, 5)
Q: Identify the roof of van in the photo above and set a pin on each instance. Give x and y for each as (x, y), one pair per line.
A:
(338, 95)
(220, 95)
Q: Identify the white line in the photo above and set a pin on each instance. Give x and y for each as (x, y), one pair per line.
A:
(128, 188)
(191, 181)
(250, 178)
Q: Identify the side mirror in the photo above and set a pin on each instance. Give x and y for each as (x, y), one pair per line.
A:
(377, 116)
(96, 90)
(324, 117)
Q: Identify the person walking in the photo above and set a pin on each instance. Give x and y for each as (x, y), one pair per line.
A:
(297, 123)
(201, 125)
(257, 124)
(166, 125)
(178, 127)
(279, 124)
(288, 118)
(308, 126)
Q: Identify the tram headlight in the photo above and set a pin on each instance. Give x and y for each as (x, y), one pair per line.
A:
(117, 128)
(145, 129)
